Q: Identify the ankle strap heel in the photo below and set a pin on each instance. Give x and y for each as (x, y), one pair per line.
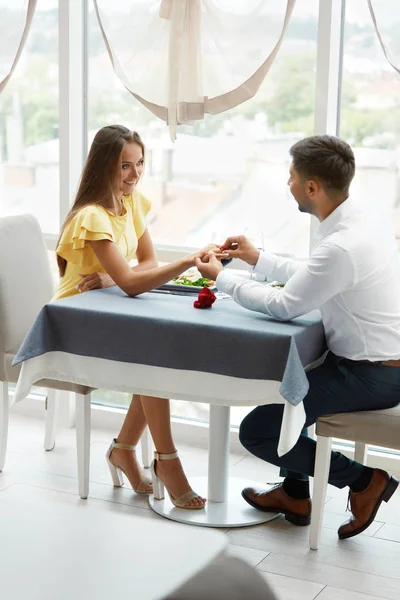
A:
(144, 486)
(158, 456)
(158, 485)
(115, 444)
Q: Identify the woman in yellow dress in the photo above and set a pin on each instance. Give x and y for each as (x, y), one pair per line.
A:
(103, 231)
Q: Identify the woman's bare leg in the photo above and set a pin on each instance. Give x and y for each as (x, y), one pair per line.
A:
(134, 423)
(131, 431)
(157, 413)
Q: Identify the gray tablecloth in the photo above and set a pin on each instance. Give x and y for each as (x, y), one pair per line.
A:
(166, 331)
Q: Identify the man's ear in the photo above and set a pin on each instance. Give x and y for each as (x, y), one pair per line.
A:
(312, 187)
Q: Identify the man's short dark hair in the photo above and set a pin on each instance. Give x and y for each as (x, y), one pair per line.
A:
(326, 158)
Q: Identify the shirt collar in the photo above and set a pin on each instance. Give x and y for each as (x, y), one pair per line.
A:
(340, 213)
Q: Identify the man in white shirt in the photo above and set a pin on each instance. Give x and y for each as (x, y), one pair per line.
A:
(353, 277)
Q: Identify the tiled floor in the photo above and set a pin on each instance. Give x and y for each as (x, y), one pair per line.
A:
(363, 568)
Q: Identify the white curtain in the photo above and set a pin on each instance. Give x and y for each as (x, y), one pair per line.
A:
(184, 58)
(385, 49)
(19, 36)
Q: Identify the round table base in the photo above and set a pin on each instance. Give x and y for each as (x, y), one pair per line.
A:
(233, 513)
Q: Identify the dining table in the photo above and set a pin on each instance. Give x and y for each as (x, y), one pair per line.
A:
(158, 344)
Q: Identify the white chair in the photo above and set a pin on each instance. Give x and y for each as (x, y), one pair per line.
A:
(374, 427)
(25, 286)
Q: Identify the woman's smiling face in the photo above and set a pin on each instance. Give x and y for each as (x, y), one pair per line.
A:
(132, 165)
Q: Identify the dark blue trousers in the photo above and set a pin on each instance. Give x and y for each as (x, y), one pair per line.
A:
(338, 385)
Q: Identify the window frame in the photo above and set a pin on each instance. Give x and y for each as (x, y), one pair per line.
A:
(73, 97)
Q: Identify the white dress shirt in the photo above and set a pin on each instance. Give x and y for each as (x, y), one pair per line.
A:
(352, 276)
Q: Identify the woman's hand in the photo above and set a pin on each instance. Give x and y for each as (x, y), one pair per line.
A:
(94, 281)
(240, 247)
(209, 265)
(203, 254)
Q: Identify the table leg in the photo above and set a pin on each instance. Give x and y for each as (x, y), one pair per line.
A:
(4, 418)
(225, 506)
(218, 457)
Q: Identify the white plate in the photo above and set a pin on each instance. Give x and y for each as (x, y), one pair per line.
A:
(180, 287)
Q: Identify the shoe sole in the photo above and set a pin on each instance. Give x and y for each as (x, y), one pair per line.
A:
(387, 493)
(299, 520)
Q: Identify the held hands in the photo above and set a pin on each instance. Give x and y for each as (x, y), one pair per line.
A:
(208, 260)
(94, 281)
(240, 247)
(203, 253)
(209, 265)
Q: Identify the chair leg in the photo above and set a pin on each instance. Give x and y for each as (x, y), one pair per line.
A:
(361, 453)
(51, 419)
(321, 473)
(4, 418)
(146, 442)
(83, 442)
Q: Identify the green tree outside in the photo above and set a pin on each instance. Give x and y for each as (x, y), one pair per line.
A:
(287, 99)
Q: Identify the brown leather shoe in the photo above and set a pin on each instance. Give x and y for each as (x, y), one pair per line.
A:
(276, 500)
(364, 505)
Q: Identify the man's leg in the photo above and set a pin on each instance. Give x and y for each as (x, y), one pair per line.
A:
(293, 475)
(328, 393)
(336, 386)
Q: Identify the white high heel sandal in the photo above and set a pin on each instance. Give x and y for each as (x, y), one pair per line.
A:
(116, 472)
(158, 485)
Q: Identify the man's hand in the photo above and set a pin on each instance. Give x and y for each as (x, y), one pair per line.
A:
(94, 281)
(240, 247)
(204, 253)
(209, 265)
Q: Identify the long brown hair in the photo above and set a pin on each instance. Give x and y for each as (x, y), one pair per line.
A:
(99, 175)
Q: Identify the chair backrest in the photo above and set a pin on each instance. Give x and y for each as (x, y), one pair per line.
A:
(25, 280)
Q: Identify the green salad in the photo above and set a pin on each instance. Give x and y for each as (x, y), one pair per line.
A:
(277, 284)
(193, 277)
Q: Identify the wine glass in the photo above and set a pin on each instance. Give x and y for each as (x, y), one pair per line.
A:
(255, 235)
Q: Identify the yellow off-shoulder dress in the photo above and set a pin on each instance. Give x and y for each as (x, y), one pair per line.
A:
(92, 223)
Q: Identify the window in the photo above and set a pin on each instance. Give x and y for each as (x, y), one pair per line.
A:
(227, 174)
(29, 119)
(370, 119)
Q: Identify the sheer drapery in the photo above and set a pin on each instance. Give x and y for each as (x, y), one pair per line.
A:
(380, 37)
(184, 58)
(8, 64)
